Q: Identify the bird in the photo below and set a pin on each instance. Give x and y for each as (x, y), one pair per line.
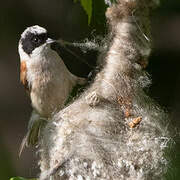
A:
(46, 79)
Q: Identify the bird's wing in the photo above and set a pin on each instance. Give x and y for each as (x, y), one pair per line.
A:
(78, 61)
(23, 76)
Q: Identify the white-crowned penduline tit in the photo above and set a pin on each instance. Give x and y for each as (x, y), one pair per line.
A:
(45, 77)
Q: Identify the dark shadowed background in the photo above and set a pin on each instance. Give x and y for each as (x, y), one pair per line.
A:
(67, 20)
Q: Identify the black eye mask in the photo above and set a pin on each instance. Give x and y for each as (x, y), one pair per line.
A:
(32, 41)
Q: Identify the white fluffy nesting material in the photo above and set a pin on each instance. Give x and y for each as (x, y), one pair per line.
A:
(119, 133)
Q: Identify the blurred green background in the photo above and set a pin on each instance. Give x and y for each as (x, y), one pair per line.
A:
(67, 20)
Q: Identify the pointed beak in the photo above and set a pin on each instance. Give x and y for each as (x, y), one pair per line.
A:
(49, 41)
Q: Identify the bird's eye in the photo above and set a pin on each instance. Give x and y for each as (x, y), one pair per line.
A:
(36, 40)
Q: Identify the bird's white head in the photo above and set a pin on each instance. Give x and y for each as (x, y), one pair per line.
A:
(34, 41)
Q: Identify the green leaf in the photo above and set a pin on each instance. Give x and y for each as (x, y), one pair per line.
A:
(21, 178)
(87, 6)
(17, 178)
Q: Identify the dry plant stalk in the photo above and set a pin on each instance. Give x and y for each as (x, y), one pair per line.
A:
(90, 138)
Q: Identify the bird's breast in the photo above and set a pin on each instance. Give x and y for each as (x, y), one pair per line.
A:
(49, 91)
